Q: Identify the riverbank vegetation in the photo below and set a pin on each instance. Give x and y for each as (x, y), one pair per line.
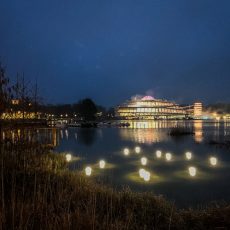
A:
(38, 192)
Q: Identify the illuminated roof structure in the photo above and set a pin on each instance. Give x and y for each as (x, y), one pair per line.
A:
(147, 98)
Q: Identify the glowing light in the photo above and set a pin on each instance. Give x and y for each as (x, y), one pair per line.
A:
(126, 151)
(102, 164)
(213, 161)
(146, 176)
(68, 157)
(144, 161)
(141, 173)
(217, 118)
(168, 156)
(88, 171)
(192, 171)
(158, 154)
(137, 149)
(188, 155)
(147, 98)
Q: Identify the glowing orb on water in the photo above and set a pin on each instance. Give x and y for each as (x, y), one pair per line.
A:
(88, 171)
(158, 154)
(192, 171)
(188, 155)
(126, 151)
(213, 161)
(146, 176)
(102, 164)
(144, 161)
(137, 149)
(141, 173)
(168, 156)
(68, 157)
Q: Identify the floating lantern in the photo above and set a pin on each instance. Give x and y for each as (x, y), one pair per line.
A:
(138, 149)
(158, 154)
(102, 164)
(68, 157)
(213, 161)
(192, 171)
(146, 176)
(88, 171)
(141, 173)
(144, 161)
(188, 155)
(126, 151)
(168, 156)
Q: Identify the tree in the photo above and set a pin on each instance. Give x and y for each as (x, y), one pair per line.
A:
(5, 90)
(87, 109)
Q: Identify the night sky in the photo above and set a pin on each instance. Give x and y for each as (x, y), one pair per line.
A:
(111, 50)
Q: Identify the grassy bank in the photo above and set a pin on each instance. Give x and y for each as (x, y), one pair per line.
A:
(38, 192)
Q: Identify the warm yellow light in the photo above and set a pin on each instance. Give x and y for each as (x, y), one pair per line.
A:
(137, 149)
(126, 151)
(192, 171)
(188, 155)
(213, 161)
(158, 154)
(144, 161)
(68, 157)
(217, 118)
(88, 171)
(168, 156)
(102, 164)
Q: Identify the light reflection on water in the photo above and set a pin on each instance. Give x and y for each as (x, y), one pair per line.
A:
(118, 148)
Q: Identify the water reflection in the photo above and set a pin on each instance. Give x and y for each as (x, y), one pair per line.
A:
(87, 136)
(198, 130)
(46, 136)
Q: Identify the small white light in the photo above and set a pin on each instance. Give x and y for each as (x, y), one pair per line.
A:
(88, 171)
(141, 173)
(158, 154)
(188, 155)
(68, 157)
(192, 171)
(146, 176)
(102, 164)
(137, 149)
(213, 161)
(144, 161)
(126, 151)
(168, 156)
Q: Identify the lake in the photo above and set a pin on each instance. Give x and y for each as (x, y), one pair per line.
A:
(188, 182)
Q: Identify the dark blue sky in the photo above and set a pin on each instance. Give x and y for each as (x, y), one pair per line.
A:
(111, 50)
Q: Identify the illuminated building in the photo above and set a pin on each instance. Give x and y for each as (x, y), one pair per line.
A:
(150, 108)
(17, 111)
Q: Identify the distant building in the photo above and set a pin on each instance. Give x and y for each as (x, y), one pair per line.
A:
(150, 108)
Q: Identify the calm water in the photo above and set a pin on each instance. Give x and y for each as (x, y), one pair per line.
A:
(169, 178)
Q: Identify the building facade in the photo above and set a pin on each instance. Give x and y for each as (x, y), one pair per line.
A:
(148, 108)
